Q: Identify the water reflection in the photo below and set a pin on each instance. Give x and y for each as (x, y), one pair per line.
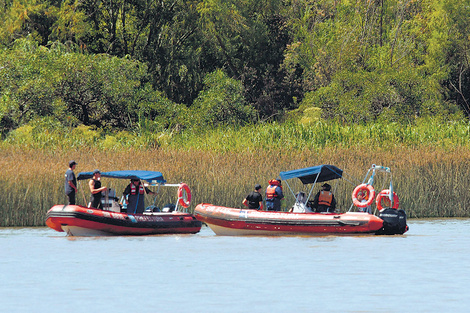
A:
(422, 271)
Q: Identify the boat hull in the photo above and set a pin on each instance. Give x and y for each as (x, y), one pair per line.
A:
(77, 220)
(238, 222)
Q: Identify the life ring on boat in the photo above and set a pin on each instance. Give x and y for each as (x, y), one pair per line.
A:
(183, 188)
(385, 194)
(363, 188)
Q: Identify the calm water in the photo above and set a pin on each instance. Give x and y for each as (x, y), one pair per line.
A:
(426, 270)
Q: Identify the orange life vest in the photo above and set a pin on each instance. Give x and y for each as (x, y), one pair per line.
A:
(134, 189)
(271, 192)
(325, 198)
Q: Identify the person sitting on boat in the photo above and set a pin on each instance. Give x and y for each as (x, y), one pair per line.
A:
(363, 197)
(135, 193)
(254, 200)
(324, 200)
(274, 195)
(96, 189)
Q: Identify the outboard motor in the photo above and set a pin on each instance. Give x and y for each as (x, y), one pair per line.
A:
(394, 222)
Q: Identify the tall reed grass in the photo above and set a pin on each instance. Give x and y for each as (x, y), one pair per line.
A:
(430, 181)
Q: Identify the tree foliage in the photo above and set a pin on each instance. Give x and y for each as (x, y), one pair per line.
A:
(366, 60)
(93, 90)
(124, 63)
(222, 102)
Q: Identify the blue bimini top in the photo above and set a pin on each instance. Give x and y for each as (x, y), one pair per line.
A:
(313, 174)
(149, 176)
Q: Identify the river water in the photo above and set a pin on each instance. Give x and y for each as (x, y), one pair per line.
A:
(425, 270)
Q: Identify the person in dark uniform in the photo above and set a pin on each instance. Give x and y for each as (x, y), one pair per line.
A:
(324, 200)
(254, 200)
(96, 189)
(135, 195)
(71, 183)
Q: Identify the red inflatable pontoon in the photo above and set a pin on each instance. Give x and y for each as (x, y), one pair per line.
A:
(117, 219)
(232, 222)
(77, 220)
(305, 217)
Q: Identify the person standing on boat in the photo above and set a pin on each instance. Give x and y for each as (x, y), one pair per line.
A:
(274, 195)
(135, 195)
(254, 200)
(324, 200)
(71, 183)
(96, 189)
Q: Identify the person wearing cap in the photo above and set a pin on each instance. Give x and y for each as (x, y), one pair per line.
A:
(71, 182)
(254, 200)
(96, 189)
(362, 197)
(274, 195)
(324, 200)
(135, 194)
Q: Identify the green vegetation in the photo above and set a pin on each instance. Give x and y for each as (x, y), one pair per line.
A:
(223, 94)
(172, 65)
(426, 133)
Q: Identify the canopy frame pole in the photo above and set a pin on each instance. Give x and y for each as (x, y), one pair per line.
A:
(83, 193)
(311, 189)
(156, 194)
(290, 189)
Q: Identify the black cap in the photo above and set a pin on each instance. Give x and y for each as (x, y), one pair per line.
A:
(257, 186)
(96, 171)
(326, 186)
(72, 163)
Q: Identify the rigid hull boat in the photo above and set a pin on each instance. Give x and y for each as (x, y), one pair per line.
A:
(233, 222)
(304, 219)
(78, 220)
(115, 218)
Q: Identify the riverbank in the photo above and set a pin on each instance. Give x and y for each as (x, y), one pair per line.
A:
(429, 182)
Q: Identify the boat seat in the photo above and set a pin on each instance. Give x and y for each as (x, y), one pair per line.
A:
(301, 197)
(109, 201)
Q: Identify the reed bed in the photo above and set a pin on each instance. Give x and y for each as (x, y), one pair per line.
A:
(430, 182)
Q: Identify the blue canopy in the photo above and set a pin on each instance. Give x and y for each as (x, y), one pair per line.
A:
(142, 175)
(309, 175)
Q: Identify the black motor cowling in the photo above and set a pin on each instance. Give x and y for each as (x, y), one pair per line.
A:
(394, 222)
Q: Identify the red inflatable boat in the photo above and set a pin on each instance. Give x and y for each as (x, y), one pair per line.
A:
(117, 219)
(233, 222)
(305, 217)
(77, 220)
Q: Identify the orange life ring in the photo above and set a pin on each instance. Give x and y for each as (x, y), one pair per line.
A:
(181, 199)
(386, 193)
(363, 188)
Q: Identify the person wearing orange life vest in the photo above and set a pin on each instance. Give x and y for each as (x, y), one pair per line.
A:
(324, 200)
(135, 194)
(274, 195)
